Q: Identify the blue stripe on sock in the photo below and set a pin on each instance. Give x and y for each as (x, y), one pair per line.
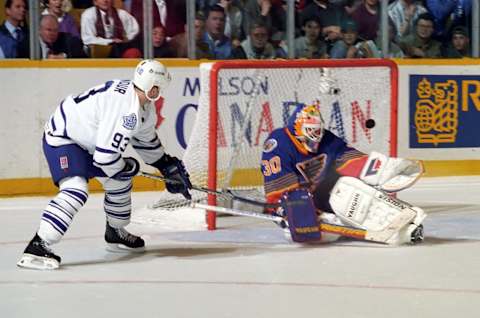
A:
(55, 220)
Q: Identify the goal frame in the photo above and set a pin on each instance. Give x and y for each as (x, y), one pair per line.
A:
(248, 64)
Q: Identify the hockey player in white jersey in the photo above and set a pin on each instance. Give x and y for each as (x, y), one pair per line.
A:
(86, 138)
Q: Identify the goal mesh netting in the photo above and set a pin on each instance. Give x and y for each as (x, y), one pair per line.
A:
(241, 102)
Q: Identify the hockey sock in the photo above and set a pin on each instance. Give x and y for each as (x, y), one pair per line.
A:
(58, 214)
(118, 205)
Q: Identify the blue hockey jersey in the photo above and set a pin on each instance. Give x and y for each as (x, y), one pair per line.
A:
(287, 165)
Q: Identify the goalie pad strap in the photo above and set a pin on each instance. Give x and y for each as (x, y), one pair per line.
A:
(363, 206)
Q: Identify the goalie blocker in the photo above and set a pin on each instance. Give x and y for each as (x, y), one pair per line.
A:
(363, 213)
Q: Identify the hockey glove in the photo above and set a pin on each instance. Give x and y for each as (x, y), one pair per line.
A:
(178, 180)
(129, 171)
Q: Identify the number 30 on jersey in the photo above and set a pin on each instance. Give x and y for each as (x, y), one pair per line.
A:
(271, 166)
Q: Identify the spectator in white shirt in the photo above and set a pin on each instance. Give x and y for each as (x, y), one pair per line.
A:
(103, 24)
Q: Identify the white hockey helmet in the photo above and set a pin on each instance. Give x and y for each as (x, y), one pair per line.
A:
(150, 73)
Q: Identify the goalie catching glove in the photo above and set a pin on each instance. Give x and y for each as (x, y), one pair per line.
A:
(177, 178)
(390, 174)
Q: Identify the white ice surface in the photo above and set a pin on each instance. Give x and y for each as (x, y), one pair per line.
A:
(247, 268)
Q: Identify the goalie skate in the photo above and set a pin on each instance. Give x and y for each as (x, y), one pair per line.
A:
(37, 255)
(120, 240)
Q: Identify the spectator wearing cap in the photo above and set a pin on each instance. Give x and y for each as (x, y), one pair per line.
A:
(219, 45)
(14, 32)
(366, 17)
(404, 13)
(346, 46)
(421, 44)
(311, 44)
(459, 45)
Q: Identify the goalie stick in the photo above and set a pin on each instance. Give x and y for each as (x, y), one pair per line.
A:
(224, 194)
(346, 231)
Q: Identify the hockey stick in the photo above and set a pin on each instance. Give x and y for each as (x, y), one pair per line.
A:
(224, 194)
(342, 230)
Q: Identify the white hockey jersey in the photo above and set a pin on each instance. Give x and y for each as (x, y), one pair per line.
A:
(103, 121)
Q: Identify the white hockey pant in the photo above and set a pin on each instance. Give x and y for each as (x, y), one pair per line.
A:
(59, 213)
(117, 202)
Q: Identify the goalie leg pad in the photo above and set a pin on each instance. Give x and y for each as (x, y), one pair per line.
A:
(301, 215)
(361, 205)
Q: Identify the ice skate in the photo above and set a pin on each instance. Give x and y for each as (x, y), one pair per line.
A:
(120, 240)
(37, 255)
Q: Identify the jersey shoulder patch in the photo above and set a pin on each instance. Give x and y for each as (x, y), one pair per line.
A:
(269, 145)
(130, 121)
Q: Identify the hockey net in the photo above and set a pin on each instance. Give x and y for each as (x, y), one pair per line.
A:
(241, 102)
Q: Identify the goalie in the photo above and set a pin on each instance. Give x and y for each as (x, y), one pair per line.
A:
(319, 179)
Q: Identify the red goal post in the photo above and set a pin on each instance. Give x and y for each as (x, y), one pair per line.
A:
(242, 101)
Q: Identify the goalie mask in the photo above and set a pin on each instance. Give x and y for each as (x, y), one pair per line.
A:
(150, 73)
(308, 127)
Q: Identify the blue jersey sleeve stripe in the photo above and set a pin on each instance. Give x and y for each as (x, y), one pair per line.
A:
(108, 163)
(102, 150)
(62, 111)
(147, 148)
(52, 121)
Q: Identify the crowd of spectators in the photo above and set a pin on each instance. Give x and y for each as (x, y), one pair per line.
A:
(241, 29)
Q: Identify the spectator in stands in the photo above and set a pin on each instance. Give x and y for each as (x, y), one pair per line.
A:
(447, 13)
(66, 22)
(203, 5)
(257, 45)
(367, 19)
(346, 46)
(233, 22)
(373, 48)
(256, 11)
(172, 14)
(421, 44)
(103, 24)
(14, 30)
(331, 17)
(219, 45)
(55, 44)
(348, 5)
(311, 44)
(403, 14)
(179, 42)
(161, 47)
(279, 19)
(459, 45)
